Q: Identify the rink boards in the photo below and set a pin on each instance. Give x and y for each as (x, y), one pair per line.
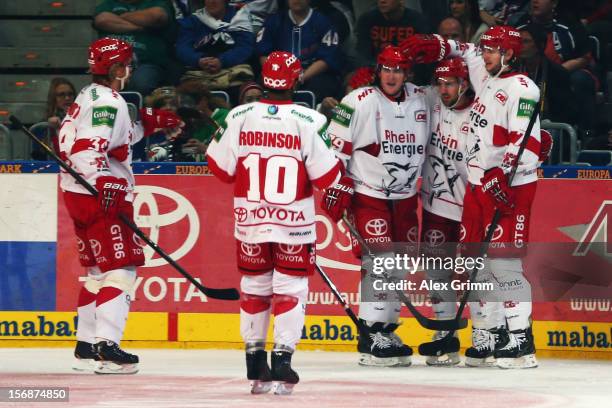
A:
(189, 214)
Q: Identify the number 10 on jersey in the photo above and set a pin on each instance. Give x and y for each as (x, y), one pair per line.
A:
(275, 178)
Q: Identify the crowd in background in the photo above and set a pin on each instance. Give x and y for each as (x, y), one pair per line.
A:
(186, 49)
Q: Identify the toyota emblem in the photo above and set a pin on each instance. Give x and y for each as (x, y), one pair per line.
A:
(250, 249)
(376, 227)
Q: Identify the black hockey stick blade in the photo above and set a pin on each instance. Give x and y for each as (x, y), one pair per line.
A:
(222, 294)
(431, 324)
(347, 308)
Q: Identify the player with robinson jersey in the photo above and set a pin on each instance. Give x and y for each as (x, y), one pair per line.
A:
(444, 181)
(380, 132)
(505, 101)
(95, 140)
(274, 151)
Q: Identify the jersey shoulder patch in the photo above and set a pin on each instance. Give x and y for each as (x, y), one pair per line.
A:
(342, 114)
(104, 115)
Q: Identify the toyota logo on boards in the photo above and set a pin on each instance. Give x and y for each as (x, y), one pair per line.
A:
(158, 221)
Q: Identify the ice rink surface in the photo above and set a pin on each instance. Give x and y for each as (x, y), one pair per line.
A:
(216, 378)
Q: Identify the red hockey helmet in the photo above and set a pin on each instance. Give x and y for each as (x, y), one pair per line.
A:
(454, 67)
(502, 37)
(281, 70)
(391, 56)
(106, 52)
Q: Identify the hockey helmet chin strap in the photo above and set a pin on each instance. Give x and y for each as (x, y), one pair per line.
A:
(460, 94)
(124, 78)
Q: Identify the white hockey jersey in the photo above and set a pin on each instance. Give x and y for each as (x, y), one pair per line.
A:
(381, 141)
(445, 172)
(96, 137)
(498, 120)
(274, 152)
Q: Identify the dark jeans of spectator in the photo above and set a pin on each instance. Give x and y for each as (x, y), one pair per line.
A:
(323, 85)
(146, 78)
(584, 87)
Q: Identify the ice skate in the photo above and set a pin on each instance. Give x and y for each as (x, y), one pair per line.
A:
(381, 347)
(113, 360)
(258, 371)
(441, 351)
(283, 375)
(484, 344)
(85, 357)
(519, 352)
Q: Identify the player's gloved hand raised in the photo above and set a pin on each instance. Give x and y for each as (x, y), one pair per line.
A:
(495, 186)
(546, 145)
(153, 119)
(425, 48)
(338, 198)
(111, 193)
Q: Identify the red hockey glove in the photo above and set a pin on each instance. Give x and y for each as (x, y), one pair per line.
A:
(495, 185)
(425, 48)
(153, 119)
(111, 193)
(546, 145)
(338, 198)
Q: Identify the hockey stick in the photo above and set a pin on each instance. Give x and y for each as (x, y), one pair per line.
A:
(361, 328)
(431, 324)
(484, 246)
(224, 294)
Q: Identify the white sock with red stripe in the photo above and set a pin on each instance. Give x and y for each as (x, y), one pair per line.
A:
(255, 307)
(289, 307)
(112, 307)
(86, 310)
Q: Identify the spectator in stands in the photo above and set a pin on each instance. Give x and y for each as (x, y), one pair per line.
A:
(258, 9)
(568, 45)
(250, 92)
(496, 12)
(451, 29)
(596, 16)
(216, 42)
(467, 12)
(149, 26)
(390, 23)
(59, 98)
(202, 114)
(310, 36)
(551, 77)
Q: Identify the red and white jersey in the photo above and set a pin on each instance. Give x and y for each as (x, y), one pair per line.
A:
(445, 173)
(498, 120)
(96, 137)
(382, 141)
(274, 151)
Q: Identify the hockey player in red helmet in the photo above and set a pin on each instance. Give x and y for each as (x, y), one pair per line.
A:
(380, 132)
(96, 138)
(442, 191)
(275, 152)
(505, 101)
